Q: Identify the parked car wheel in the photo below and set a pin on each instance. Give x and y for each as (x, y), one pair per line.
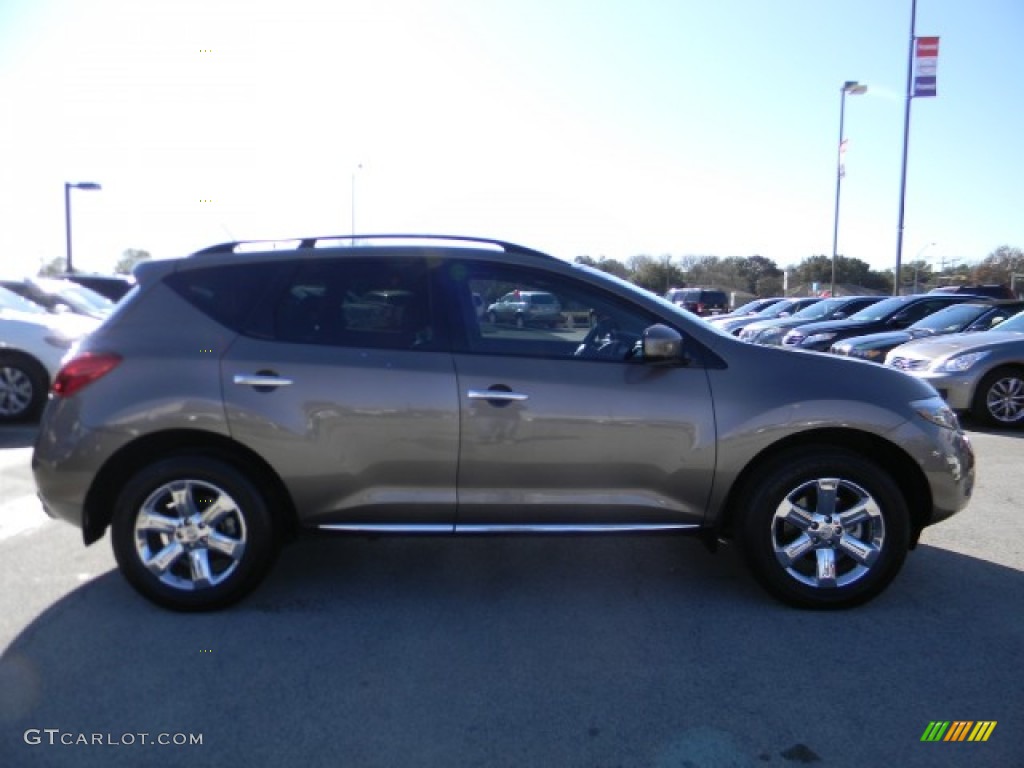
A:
(192, 533)
(23, 386)
(492, 318)
(823, 528)
(520, 321)
(999, 399)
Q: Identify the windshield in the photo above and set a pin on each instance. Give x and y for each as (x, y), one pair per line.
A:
(880, 311)
(820, 309)
(78, 297)
(950, 319)
(11, 300)
(1015, 323)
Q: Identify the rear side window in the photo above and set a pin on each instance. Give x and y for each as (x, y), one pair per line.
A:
(230, 292)
(382, 303)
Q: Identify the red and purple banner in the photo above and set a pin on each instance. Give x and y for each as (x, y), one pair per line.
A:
(926, 63)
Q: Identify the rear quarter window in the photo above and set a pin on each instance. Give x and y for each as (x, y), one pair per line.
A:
(228, 293)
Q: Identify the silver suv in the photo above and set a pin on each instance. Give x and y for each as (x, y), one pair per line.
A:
(249, 391)
(523, 308)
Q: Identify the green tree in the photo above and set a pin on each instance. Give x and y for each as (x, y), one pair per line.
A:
(611, 266)
(54, 266)
(655, 274)
(1000, 266)
(129, 258)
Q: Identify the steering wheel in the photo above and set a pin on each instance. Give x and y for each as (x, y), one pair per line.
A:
(601, 340)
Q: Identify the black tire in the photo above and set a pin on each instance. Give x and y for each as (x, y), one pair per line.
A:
(23, 387)
(520, 321)
(788, 529)
(220, 518)
(999, 399)
(492, 318)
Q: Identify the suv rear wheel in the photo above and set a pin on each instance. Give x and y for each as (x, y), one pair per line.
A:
(192, 533)
(823, 528)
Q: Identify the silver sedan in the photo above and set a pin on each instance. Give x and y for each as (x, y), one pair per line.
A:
(978, 372)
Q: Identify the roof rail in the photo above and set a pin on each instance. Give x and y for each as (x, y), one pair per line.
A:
(303, 243)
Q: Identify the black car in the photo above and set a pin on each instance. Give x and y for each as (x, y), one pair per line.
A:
(992, 290)
(111, 286)
(771, 332)
(892, 314)
(752, 307)
(959, 318)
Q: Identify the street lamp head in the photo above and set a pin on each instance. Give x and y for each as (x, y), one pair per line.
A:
(83, 185)
(854, 88)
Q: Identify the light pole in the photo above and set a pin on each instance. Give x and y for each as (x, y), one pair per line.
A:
(853, 88)
(68, 186)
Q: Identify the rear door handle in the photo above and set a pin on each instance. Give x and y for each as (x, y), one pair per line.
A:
(261, 380)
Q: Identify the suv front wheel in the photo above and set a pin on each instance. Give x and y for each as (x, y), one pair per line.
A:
(823, 528)
(192, 533)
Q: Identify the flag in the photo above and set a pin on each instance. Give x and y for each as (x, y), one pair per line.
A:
(926, 63)
(842, 158)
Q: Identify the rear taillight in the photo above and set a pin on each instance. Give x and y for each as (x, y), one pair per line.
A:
(81, 371)
(700, 308)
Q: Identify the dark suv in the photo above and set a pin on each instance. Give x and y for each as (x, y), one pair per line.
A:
(245, 393)
(700, 301)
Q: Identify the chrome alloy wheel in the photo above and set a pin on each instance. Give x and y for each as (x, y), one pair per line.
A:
(828, 533)
(190, 534)
(15, 392)
(1004, 399)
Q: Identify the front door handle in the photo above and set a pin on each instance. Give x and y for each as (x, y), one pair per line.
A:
(261, 381)
(499, 395)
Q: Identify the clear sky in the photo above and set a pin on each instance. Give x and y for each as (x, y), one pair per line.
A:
(599, 127)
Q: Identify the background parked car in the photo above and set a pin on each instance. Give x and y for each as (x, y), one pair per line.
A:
(751, 307)
(32, 343)
(978, 372)
(838, 308)
(58, 295)
(114, 287)
(893, 313)
(959, 318)
(779, 309)
(992, 291)
(522, 308)
(704, 302)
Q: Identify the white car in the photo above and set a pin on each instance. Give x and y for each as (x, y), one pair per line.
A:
(32, 343)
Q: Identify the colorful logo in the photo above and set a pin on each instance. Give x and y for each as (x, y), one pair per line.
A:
(958, 730)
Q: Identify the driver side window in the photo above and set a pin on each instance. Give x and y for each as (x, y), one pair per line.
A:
(531, 313)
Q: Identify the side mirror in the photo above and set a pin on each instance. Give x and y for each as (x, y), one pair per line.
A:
(662, 343)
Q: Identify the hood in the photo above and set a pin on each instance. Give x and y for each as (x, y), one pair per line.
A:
(953, 343)
(68, 324)
(878, 339)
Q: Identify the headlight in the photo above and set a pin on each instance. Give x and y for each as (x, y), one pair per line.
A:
(960, 363)
(935, 410)
(770, 336)
(868, 354)
(819, 338)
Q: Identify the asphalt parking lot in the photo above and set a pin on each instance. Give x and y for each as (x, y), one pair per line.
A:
(575, 651)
